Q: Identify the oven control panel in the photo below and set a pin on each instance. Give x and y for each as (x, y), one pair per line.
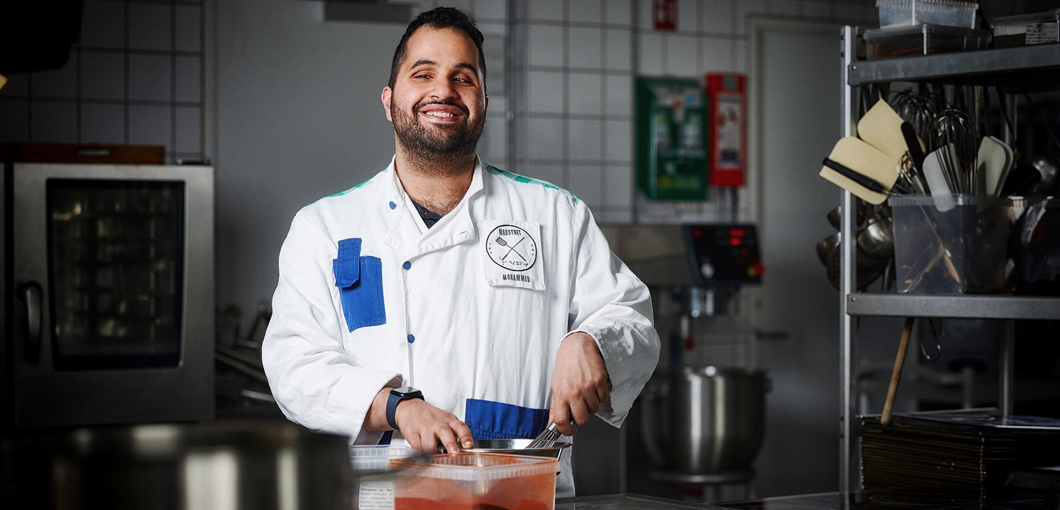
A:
(724, 254)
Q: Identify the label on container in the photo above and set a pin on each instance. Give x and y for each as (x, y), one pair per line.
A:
(1039, 33)
(376, 495)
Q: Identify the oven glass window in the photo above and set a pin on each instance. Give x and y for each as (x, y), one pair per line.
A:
(116, 273)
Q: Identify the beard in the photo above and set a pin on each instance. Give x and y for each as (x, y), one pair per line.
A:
(439, 147)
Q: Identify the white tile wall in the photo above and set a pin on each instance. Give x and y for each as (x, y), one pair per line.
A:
(546, 92)
(150, 125)
(582, 128)
(153, 75)
(136, 77)
(584, 140)
(103, 24)
(618, 49)
(188, 139)
(618, 12)
(53, 122)
(584, 93)
(16, 120)
(587, 11)
(102, 75)
(717, 16)
(150, 26)
(60, 83)
(585, 47)
(103, 123)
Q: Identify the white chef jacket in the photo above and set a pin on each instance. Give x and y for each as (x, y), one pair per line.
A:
(471, 311)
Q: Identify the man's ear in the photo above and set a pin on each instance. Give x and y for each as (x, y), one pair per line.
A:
(386, 102)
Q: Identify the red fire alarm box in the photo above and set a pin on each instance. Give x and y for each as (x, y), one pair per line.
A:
(728, 129)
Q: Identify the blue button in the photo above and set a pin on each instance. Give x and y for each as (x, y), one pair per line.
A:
(393, 205)
(412, 339)
(407, 265)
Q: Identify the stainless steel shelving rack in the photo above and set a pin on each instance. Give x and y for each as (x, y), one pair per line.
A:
(1034, 68)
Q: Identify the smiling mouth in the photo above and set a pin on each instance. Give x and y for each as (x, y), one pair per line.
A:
(439, 114)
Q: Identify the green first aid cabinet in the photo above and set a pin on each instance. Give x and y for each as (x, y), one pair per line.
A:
(672, 139)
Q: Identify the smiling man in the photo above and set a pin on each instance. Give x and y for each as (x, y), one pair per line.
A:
(495, 294)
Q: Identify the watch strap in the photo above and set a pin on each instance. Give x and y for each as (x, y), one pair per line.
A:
(391, 406)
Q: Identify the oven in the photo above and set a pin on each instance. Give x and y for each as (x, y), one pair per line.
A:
(108, 294)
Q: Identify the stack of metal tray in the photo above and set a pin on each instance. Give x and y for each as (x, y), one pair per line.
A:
(964, 455)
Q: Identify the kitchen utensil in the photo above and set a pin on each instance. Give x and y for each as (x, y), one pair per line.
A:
(866, 160)
(877, 239)
(954, 129)
(995, 158)
(881, 128)
(704, 419)
(919, 110)
(896, 375)
(1047, 167)
(546, 438)
(520, 447)
(937, 181)
(835, 217)
(1020, 179)
(826, 245)
(868, 269)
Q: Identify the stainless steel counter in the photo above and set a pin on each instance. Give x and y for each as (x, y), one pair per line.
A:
(626, 502)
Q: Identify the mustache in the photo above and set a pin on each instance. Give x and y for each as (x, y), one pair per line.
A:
(462, 108)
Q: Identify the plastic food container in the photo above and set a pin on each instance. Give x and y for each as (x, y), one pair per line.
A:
(474, 481)
(957, 245)
(1037, 28)
(922, 40)
(374, 489)
(936, 12)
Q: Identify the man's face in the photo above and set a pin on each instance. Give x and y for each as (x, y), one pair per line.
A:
(438, 104)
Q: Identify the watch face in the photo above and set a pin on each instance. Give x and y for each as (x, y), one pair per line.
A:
(406, 391)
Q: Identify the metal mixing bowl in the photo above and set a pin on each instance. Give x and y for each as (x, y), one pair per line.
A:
(705, 419)
(518, 447)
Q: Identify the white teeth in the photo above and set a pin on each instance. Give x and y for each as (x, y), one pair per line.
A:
(438, 114)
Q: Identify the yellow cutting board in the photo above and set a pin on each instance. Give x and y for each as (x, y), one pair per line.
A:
(881, 128)
(865, 160)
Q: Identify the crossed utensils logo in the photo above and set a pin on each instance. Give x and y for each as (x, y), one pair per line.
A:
(512, 248)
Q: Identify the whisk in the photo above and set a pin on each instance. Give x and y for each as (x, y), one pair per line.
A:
(910, 180)
(919, 110)
(958, 139)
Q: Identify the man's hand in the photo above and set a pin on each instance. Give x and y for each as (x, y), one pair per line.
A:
(425, 427)
(579, 382)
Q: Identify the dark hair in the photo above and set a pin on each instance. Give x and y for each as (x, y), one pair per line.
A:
(442, 17)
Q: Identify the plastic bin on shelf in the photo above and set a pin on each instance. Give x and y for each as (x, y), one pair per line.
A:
(1025, 29)
(905, 41)
(937, 12)
(952, 245)
(374, 491)
(471, 480)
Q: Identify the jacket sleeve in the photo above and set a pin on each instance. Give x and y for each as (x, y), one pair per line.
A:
(314, 380)
(612, 305)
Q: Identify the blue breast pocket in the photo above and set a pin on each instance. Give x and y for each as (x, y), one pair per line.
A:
(360, 282)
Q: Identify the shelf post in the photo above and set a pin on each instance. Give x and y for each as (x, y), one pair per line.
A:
(847, 282)
(1006, 371)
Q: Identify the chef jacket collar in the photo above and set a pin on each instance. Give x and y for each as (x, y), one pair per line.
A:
(407, 238)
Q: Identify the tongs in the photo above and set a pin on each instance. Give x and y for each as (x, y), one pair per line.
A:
(546, 438)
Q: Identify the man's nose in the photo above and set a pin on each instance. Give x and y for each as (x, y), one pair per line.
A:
(443, 89)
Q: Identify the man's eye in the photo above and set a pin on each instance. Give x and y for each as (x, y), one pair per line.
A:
(422, 75)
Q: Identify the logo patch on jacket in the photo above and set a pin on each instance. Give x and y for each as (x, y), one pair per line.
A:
(513, 254)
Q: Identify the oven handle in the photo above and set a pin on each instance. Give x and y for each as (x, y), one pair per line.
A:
(30, 293)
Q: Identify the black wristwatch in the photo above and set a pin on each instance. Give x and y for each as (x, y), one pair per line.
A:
(397, 395)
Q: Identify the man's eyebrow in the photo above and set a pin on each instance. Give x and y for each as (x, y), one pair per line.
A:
(428, 62)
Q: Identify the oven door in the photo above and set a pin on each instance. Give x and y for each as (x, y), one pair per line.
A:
(113, 280)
